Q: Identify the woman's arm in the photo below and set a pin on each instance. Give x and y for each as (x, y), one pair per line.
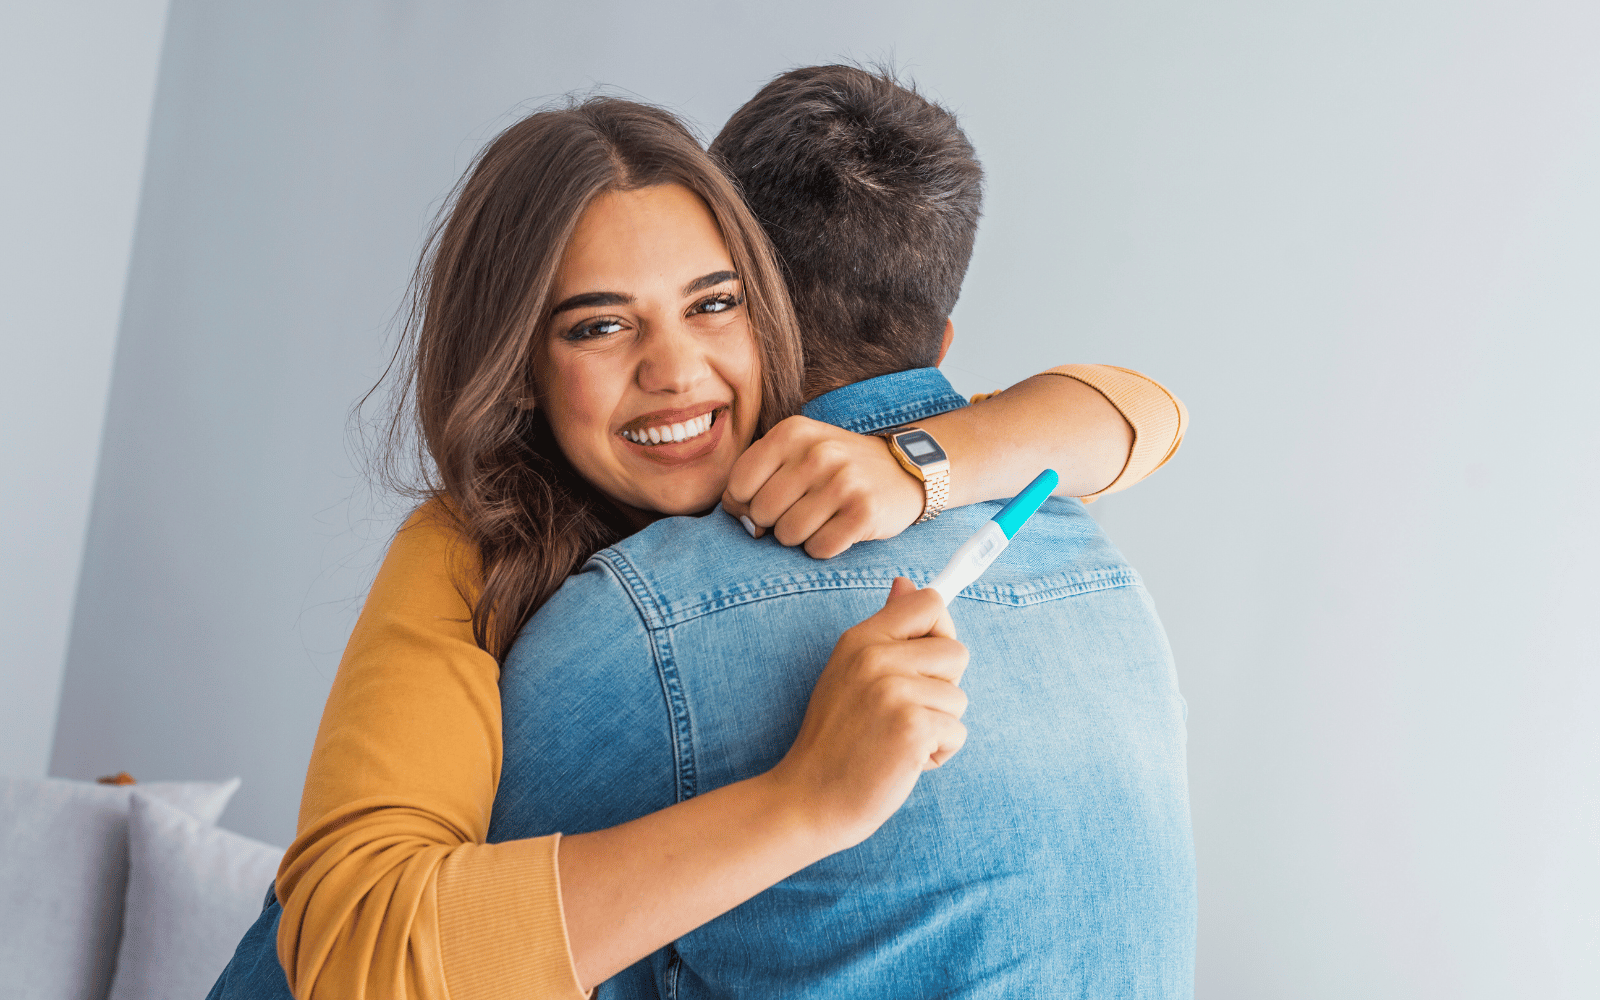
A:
(998, 444)
(389, 889)
(1101, 428)
(397, 803)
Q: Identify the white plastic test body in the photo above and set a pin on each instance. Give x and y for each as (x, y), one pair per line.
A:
(970, 560)
(977, 553)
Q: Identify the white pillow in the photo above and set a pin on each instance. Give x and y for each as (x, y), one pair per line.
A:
(63, 876)
(193, 890)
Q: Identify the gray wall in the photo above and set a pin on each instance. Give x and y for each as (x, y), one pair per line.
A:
(77, 83)
(1358, 239)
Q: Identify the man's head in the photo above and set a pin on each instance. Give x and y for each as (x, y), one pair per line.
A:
(871, 195)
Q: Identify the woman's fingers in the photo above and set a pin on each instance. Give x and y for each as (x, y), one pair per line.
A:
(752, 489)
(929, 656)
(824, 522)
(762, 459)
(910, 613)
(925, 718)
(790, 484)
(838, 533)
(950, 736)
(821, 486)
(932, 693)
(785, 485)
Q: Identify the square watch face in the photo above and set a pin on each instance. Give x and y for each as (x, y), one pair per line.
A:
(920, 447)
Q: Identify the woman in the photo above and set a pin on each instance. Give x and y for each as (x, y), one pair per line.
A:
(595, 267)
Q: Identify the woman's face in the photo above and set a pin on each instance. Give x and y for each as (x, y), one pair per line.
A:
(648, 372)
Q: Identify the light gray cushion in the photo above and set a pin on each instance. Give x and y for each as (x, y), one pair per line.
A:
(63, 876)
(193, 890)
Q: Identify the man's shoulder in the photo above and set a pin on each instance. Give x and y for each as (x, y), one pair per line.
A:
(684, 567)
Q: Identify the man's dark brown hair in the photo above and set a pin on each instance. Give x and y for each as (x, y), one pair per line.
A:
(871, 195)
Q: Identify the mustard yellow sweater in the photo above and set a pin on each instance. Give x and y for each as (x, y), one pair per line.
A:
(389, 890)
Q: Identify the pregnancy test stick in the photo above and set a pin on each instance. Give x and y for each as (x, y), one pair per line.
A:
(977, 552)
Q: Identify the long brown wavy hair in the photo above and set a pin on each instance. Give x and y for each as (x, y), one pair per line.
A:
(458, 431)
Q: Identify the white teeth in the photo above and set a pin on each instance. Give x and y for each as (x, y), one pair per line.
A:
(672, 433)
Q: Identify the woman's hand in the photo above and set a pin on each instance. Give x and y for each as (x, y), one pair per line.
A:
(885, 709)
(820, 485)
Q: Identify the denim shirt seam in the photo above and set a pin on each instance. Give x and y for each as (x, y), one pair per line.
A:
(654, 619)
(904, 413)
(1057, 587)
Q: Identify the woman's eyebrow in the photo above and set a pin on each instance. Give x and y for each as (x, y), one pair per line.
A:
(587, 299)
(714, 278)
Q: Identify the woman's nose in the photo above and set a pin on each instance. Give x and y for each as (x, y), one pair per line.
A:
(673, 361)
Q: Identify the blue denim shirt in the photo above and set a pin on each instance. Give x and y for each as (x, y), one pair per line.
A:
(1051, 857)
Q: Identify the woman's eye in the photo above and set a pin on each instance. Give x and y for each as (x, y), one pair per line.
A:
(718, 303)
(593, 328)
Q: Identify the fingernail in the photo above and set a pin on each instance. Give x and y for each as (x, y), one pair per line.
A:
(749, 525)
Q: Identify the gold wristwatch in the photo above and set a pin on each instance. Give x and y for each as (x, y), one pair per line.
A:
(919, 454)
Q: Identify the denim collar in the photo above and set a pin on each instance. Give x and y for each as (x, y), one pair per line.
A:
(886, 401)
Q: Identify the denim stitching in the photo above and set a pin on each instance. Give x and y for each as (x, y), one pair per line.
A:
(904, 413)
(678, 711)
(921, 393)
(679, 721)
(1039, 591)
(645, 600)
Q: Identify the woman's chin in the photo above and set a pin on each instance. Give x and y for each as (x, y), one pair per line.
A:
(685, 501)
(651, 492)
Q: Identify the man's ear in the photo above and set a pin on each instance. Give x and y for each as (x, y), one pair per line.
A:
(944, 345)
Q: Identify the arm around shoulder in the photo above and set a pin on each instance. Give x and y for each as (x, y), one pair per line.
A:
(1158, 418)
(1100, 427)
(384, 888)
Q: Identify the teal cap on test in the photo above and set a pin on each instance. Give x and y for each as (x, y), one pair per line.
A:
(1016, 513)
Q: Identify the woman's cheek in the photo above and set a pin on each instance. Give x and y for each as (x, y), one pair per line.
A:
(579, 405)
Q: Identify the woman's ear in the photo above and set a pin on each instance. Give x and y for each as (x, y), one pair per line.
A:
(944, 345)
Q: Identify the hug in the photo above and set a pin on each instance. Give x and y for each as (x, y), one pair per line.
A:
(593, 735)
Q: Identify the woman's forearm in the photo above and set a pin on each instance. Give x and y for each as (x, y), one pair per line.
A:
(998, 445)
(1101, 428)
(629, 890)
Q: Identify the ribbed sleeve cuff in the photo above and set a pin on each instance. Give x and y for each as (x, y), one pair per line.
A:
(1158, 418)
(501, 929)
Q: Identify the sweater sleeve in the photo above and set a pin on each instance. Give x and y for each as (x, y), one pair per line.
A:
(1158, 418)
(389, 890)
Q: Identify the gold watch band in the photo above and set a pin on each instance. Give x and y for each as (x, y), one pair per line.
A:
(936, 493)
(935, 478)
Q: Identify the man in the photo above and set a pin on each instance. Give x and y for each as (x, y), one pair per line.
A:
(1053, 855)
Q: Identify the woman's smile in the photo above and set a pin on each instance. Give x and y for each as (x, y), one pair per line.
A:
(674, 436)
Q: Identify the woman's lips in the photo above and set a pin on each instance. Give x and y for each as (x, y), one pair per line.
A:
(686, 443)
